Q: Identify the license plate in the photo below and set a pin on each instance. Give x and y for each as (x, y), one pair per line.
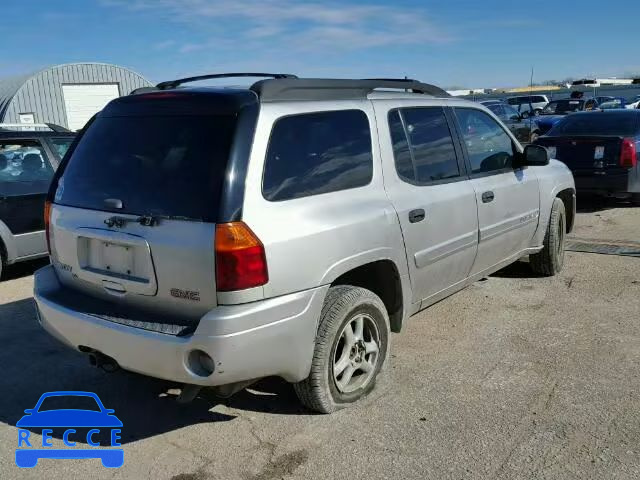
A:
(599, 153)
(117, 259)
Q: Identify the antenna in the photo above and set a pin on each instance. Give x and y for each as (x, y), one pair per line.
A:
(531, 112)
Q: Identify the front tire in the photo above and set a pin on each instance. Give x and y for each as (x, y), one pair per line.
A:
(351, 347)
(550, 260)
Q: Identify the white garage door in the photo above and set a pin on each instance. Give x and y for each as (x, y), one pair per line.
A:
(81, 102)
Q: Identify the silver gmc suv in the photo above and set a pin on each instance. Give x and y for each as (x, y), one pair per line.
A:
(216, 236)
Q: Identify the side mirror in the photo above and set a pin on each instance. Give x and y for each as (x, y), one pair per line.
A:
(29, 411)
(533, 156)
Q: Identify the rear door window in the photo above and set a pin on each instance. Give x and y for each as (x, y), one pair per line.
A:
(423, 146)
(315, 153)
(155, 165)
(24, 168)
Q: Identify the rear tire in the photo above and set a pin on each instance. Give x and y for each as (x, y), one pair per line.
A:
(351, 347)
(550, 260)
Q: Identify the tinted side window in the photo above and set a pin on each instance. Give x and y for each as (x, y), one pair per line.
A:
(316, 153)
(538, 99)
(401, 152)
(488, 145)
(430, 145)
(61, 145)
(24, 168)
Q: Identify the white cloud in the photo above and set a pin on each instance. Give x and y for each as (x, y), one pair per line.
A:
(294, 24)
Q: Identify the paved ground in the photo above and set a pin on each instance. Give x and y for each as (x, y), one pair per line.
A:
(515, 377)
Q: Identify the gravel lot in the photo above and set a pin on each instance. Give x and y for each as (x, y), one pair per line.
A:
(514, 377)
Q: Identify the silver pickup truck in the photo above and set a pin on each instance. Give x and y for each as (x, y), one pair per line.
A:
(215, 236)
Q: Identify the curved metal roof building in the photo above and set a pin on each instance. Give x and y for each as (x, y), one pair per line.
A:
(66, 95)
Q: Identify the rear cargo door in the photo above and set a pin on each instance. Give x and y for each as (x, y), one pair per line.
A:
(135, 208)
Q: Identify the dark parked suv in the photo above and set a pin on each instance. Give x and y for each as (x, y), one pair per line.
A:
(27, 162)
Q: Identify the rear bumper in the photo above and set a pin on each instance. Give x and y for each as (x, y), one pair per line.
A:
(603, 183)
(273, 337)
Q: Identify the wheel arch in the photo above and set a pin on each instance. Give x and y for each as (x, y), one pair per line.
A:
(568, 197)
(384, 278)
(7, 245)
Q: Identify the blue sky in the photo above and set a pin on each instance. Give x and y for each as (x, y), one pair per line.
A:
(481, 43)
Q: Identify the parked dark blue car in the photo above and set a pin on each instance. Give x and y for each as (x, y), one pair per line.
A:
(556, 110)
(602, 150)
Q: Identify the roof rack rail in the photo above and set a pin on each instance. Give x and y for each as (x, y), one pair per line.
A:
(175, 83)
(51, 126)
(336, 89)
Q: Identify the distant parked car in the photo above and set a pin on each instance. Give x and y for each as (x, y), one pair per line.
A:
(528, 104)
(633, 102)
(602, 150)
(523, 129)
(27, 162)
(557, 109)
(605, 98)
(615, 103)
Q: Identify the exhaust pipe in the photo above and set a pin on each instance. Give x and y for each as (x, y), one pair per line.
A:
(103, 361)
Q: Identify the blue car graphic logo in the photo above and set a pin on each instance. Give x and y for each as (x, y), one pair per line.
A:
(28, 453)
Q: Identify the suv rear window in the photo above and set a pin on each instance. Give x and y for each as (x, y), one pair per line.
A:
(316, 153)
(156, 165)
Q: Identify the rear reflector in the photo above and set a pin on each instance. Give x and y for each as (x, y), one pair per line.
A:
(628, 153)
(47, 223)
(240, 258)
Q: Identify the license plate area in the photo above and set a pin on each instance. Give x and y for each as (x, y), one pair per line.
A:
(111, 259)
(598, 153)
(105, 257)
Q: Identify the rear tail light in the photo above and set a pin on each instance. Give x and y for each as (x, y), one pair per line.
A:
(240, 258)
(628, 153)
(47, 223)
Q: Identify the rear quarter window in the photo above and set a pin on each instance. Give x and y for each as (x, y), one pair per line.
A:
(315, 153)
